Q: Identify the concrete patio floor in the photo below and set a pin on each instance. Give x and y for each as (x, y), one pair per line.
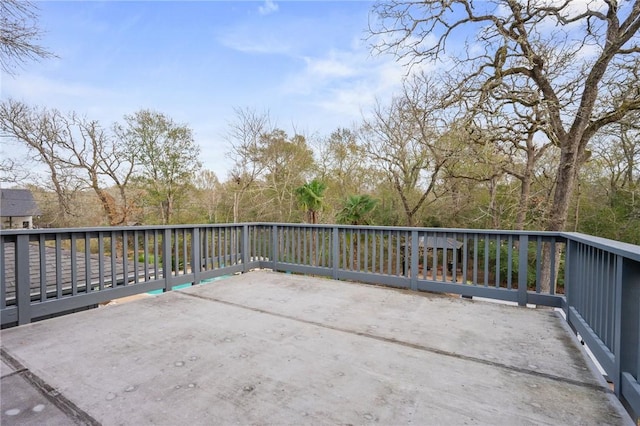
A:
(271, 348)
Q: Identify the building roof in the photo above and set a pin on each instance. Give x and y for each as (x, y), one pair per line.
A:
(441, 243)
(17, 202)
(70, 266)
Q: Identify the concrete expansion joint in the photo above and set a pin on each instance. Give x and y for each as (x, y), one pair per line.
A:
(71, 410)
(510, 368)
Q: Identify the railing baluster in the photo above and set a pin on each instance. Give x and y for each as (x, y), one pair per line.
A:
(465, 257)
(598, 281)
(156, 256)
(58, 266)
(301, 246)
(454, 255)
(166, 259)
(101, 273)
(136, 254)
(539, 264)
(87, 262)
(475, 259)
(415, 254)
(23, 279)
(74, 266)
(245, 252)
(316, 256)
(175, 263)
(611, 287)
(366, 251)
(399, 270)
(498, 250)
(43, 269)
(510, 262)
(113, 241)
(185, 257)
(523, 269)
(274, 246)
(487, 239)
(196, 255)
(3, 273)
(552, 287)
(335, 252)
(125, 258)
(435, 257)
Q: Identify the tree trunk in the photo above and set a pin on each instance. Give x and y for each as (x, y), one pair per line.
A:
(565, 183)
(169, 210)
(62, 194)
(493, 193)
(525, 192)
(108, 205)
(235, 207)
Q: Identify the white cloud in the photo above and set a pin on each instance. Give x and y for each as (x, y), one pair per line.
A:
(36, 87)
(345, 82)
(268, 7)
(262, 46)
(252, 42)
(336, 65)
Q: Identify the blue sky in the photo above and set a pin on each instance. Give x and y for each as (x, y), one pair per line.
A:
(306, 62)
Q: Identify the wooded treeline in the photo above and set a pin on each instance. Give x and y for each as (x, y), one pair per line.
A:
(518, 127)
(391, 170)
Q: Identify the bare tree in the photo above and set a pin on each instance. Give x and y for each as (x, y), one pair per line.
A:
(12, 171)
(477, 159)
(286, 162)
(520, 136)
(208, 186)
(582, 59)
(19, 35)
(244, 137)
(39, 130)
(343, 165)
(89, 147)
(403, 139)
(68, 144)
(618, 149)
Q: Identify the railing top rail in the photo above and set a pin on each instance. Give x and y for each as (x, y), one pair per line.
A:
(628, 250)
(39, 231)
(616, 247)
(10, 232)
(421, 229)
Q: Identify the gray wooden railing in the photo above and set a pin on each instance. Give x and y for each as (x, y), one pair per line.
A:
(596, 282)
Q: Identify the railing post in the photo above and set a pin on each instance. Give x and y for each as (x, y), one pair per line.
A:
(196, 255)
(523, 264)
(167, 264)
(414, 260)
(335, 252)
(570, 275)
(629, 317)
(23, 280)
(245, 248)
(617, 335)
(274, 246)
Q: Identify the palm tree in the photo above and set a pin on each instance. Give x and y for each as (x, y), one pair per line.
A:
(355, 210)
(311, 199)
